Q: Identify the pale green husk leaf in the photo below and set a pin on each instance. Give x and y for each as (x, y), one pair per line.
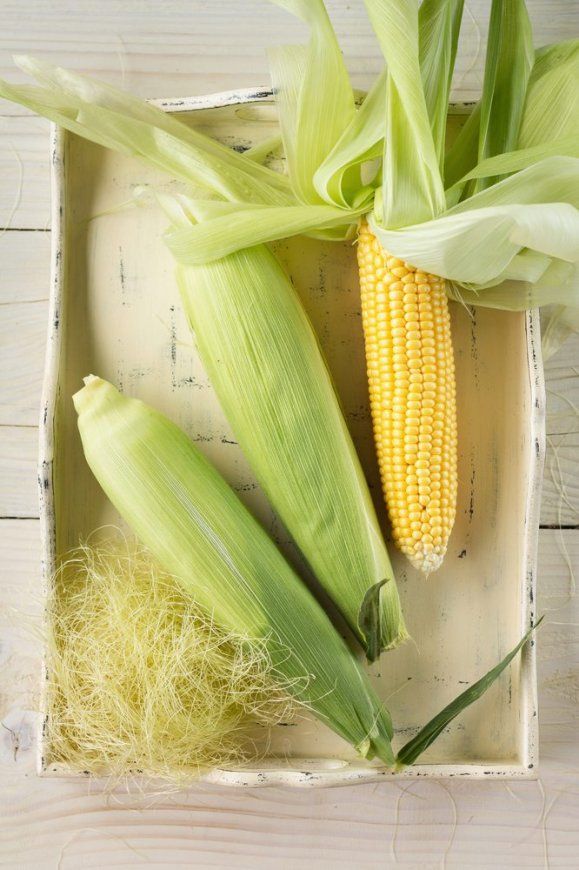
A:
(461, 157)
(438, 26)
(514, 161)
(509, 60)
(244, 226)
(475, 242)
(339, 179)
(122, 122)
(428, 734)
(314, 95)
(552, 103)
(551, 109)
(412, 189)
(493, 127)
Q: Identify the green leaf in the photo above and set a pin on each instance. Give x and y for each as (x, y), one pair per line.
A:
(509, 60)
(412, 189)
(552, 104)
(463, 153)
(514, 161)
(551, 180)
(427, 735)
(524, 285)
(314, 95)
(370, 620)
(123, 123)
(475, 241)
(551, 110)
(439, 26)
(261, 151)
(243, 226)
(338, 179)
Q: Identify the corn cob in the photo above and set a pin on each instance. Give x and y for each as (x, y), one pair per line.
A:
(412, 389)
(193, 523)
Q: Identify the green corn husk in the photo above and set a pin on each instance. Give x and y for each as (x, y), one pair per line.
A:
(193, 523)
(263, 359)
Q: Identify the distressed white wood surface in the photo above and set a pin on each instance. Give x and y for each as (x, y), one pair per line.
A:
(181, 47)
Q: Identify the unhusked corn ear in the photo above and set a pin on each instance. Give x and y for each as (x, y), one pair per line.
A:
(412, 387)
(263, 359)
(187, 516)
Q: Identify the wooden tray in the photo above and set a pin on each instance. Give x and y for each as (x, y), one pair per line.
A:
(115, 311)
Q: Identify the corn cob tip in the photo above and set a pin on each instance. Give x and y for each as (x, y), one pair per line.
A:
(92, 386)
(427, 562)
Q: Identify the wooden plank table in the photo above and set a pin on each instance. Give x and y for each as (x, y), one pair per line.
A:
(184, 47)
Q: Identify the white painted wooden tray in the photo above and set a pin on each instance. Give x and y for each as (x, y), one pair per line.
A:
(115, 312)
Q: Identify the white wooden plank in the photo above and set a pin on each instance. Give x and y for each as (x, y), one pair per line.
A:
(18, 452)
(563, 402)
(160, 50)
(22, 343)
(560, 501)
(25, 273)
(24, 173)
(564, 363)
(422, 824)
(559, 647)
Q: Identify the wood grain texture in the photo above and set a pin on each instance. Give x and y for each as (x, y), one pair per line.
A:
(22, 342)
(24, 169)
(18, 487)
(25, 272)
(560, 502)
(183, 47)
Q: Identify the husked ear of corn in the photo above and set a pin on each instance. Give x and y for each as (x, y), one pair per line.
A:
(264, 362)
(193, 523)
(412, 389)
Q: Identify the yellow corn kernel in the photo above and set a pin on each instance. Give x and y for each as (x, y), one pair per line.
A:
(411, 377)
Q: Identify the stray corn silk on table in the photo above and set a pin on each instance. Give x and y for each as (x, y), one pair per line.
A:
(195, 526)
